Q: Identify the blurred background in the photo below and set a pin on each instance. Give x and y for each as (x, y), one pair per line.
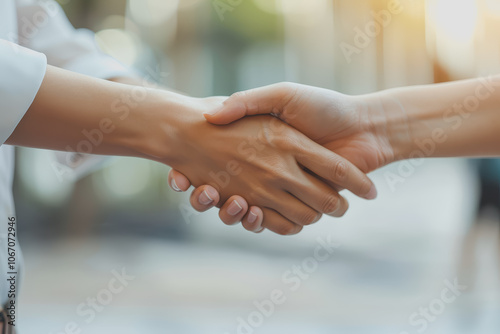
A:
(395, 255)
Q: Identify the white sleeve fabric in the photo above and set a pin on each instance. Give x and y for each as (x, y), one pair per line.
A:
(43, 27)
(21, 75)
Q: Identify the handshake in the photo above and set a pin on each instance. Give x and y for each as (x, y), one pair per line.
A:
(283, 171)
(277, 157)
(274, 157)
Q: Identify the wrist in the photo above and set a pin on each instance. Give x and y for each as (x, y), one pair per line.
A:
(383, 117)
(155, 125)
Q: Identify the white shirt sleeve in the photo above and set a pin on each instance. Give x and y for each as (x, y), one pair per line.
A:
(43, 27)
(21, 75)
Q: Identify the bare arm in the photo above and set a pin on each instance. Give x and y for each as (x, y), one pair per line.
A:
(457, 119)
(70, 108)
(78, 113)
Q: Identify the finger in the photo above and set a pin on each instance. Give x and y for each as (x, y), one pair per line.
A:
(278, 224)
(204, 198)
(263, 100)
(233, 210)
(336, 169)
(295, 210)
(253, 220)
(177, 181)
(318, 195)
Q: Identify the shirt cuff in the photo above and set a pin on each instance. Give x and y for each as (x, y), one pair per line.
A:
(22, 72)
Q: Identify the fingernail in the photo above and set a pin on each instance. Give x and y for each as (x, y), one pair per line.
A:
(259, 230)
(212, 112)
(252, 217)
(175, 186)
(372, 194)
(234, 208)
(205, 198)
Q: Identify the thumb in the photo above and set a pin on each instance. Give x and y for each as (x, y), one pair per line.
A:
(258, 101)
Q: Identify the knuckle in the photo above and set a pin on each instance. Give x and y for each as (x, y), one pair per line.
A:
(331, 204)
(289, 93)
(284, 176)
(237, 96)
(275, 138)
(270, 177)
(253, 197)
(339, 170)
(287, 142)
(310, 217)
(276, 172)
(259, 197)
(287, 88)
(284, 87)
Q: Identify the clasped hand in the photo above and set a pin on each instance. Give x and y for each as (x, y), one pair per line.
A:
(281, 173)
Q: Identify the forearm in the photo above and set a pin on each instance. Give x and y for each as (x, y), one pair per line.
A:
(72, 112)
(457, 119)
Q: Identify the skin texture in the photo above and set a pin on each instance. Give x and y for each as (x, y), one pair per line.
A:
(205, 197)
(447, 120)
(262, 157)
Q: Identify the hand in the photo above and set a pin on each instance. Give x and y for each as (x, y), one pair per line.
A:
(352, 127)
(272, 156)
(261, 158)
(206, 197)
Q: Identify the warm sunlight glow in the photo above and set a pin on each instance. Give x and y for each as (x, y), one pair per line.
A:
(455, 19)
(493, 7)
(452, 25)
